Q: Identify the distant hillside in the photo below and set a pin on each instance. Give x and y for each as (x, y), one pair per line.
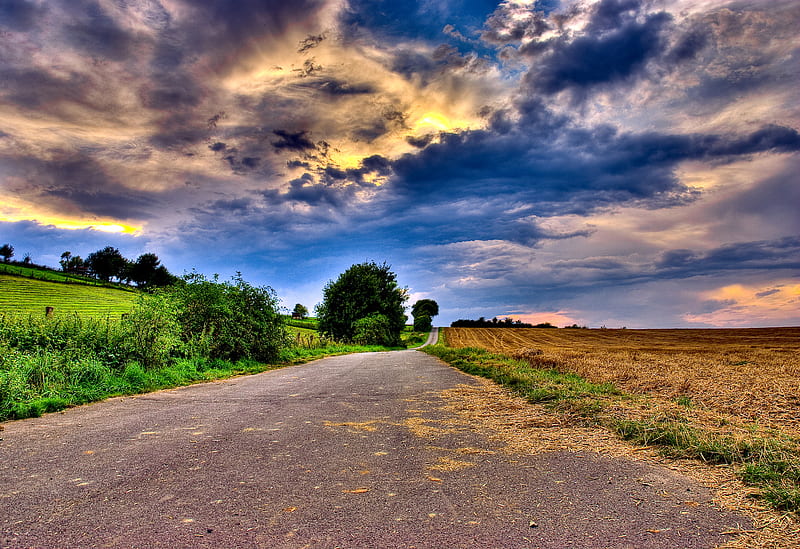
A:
(30, 296)
(44, 273)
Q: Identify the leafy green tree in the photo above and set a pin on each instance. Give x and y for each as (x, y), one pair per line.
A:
(151, 330)
(7, 251)
(300, 311)
(362, 290)
(66, 257)
(422, 323)
(107, 263)
(425, 307)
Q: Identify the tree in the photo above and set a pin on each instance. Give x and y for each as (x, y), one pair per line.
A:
(71, 263)
(424, 307)
(373, 330)
(300, 311)
(66, 257)
(362, 291)
(143, 270)
(106, 263)
(7, 251)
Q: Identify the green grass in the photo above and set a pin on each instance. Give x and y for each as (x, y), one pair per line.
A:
(55, 276)
(413, 339)
(28, 296)
(309, 323)
(770, 463)
(47, 364)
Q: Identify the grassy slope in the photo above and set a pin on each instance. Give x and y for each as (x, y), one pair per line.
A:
(28, 296)
(55, 276)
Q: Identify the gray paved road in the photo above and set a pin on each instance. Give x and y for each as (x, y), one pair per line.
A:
(350, 451)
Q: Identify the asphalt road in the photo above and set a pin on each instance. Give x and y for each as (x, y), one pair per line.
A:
(351, 451)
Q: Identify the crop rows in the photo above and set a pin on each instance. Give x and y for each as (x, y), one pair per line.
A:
(24, 296)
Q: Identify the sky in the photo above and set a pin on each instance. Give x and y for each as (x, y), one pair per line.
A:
(602, 162)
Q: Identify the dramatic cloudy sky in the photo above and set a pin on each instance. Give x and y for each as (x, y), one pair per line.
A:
(615, 162)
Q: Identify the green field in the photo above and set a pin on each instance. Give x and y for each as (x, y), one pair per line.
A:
(55, 276)
(28, 296)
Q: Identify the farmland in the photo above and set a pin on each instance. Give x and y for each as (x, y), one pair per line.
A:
(28, 296)
(741, 375)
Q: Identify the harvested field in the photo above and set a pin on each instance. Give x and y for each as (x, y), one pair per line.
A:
(722, 406)
(744, 375)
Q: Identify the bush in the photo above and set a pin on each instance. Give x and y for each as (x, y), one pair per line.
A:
(152, 332)
(423, 323)
(374, 330)
(230, 320)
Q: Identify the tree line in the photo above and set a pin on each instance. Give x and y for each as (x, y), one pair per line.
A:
(495, 323)
(106, 264)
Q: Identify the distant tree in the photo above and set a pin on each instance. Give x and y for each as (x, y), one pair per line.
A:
(374, 329)
(424, 307)
(7, 251)
(71, 263)
(65, 259)
(299, 311)
(162, 277)
(106, 263)
(143, 270)
(27, 259)
(363, 290)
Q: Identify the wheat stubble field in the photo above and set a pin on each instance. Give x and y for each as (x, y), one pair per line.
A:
(749, 376)
(732, 391)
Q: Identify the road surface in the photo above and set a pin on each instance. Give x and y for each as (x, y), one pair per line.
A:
(350, 451)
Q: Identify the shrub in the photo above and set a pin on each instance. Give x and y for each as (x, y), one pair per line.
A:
(230, 320)
(374, 329)
(151, 329)
(422, 323)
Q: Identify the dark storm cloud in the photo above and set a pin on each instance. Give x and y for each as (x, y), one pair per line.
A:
(549, 167)
(305, 190)
(581, 170)
(70, 182)
(171, 93)
(335, 87)
(293, 141)
(611, 56)
(34, 88)
(224, 30)
(310, 42)
(20, 15)
(779, 254)
(97, 34)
